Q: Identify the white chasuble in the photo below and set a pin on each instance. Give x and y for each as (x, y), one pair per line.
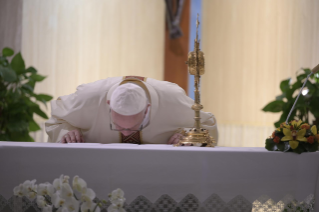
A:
(87, 110)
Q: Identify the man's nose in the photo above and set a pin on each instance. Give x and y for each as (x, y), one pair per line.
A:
(126, 133)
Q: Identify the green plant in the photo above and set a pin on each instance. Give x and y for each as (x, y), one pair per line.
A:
(306, 103)
(18, 102)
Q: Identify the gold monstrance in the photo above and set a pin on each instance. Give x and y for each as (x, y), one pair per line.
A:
(197, 136)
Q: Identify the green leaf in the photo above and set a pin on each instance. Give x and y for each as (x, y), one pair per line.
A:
(275, 106)
(17, 125)
(314, 107)
(43, 97)
(270, 145)
(27, 87)
(8, 74)
(4, 61)
(281, 146)
(36, 109)
(21, 137)
(280, 97)
(31, 82)
(311, 147)
(295, 86)
(7, 52)
(284, 85)
(37, 77)
(17, 63)
(300, 149)
(306, 70)
(4, 137)
(301, 77)
(31, 70)
(33, 126)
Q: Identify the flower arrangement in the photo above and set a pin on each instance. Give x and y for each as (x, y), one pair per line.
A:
(60, 197)
(296, 136)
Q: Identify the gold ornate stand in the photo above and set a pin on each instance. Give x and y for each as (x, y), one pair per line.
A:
(197, 136)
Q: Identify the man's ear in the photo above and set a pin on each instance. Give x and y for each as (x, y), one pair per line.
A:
(108, 102)
(147, 106)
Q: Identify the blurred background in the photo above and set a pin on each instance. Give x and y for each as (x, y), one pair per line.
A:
(250, 47)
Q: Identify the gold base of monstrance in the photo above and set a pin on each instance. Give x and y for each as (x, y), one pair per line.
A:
(196, 136)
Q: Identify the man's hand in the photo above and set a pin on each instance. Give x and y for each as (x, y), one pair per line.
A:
(175, 138)
(73, 136)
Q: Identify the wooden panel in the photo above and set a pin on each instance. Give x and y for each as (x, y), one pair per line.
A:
(176, 51)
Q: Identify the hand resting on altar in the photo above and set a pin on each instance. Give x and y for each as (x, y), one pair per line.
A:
(73, 136)
(175, 138)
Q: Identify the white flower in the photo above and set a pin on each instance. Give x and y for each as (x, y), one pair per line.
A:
(45, 189)
(19, 190)
(28, 189)
(117, 198)
(117, 194)
(47, 209)
(57, 183)
(78, 184)
(63, 209)
(118, 202)
(89, 207)
(72, 204)
(66, 191)
(87, 195)
(41, 202)
(113, 208)
(57, 201)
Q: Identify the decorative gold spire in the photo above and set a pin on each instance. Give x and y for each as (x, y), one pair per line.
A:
(197, 136)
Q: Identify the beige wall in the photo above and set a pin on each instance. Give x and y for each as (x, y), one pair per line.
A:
(10, 24)
(80, 41)
(250, 46)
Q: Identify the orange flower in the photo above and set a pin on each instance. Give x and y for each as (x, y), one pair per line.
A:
(311, 139)
(305, 126)
(276, 139)
(273, 134)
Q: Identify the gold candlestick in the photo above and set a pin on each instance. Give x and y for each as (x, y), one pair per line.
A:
(197, 136)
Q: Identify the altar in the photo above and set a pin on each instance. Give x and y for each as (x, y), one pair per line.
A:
(166, 178)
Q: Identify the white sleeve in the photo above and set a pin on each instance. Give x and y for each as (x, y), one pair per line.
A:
(211, 125)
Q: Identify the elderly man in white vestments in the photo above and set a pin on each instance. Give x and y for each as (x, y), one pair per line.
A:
(124, 110)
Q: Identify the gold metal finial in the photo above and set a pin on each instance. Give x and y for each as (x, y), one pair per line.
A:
(197, 136)
(197, 25)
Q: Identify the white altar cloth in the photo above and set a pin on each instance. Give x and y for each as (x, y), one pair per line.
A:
(155, 170)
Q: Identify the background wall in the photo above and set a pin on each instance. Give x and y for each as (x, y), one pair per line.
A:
(10, 24)
(250, 46)
(81, 41)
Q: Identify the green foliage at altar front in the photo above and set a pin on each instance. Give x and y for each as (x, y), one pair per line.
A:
(18, 102)
(308, 102)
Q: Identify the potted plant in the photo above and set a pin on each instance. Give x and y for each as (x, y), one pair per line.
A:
(18, 102)
(307, 103)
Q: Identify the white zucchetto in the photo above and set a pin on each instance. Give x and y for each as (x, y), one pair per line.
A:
(128, 99)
